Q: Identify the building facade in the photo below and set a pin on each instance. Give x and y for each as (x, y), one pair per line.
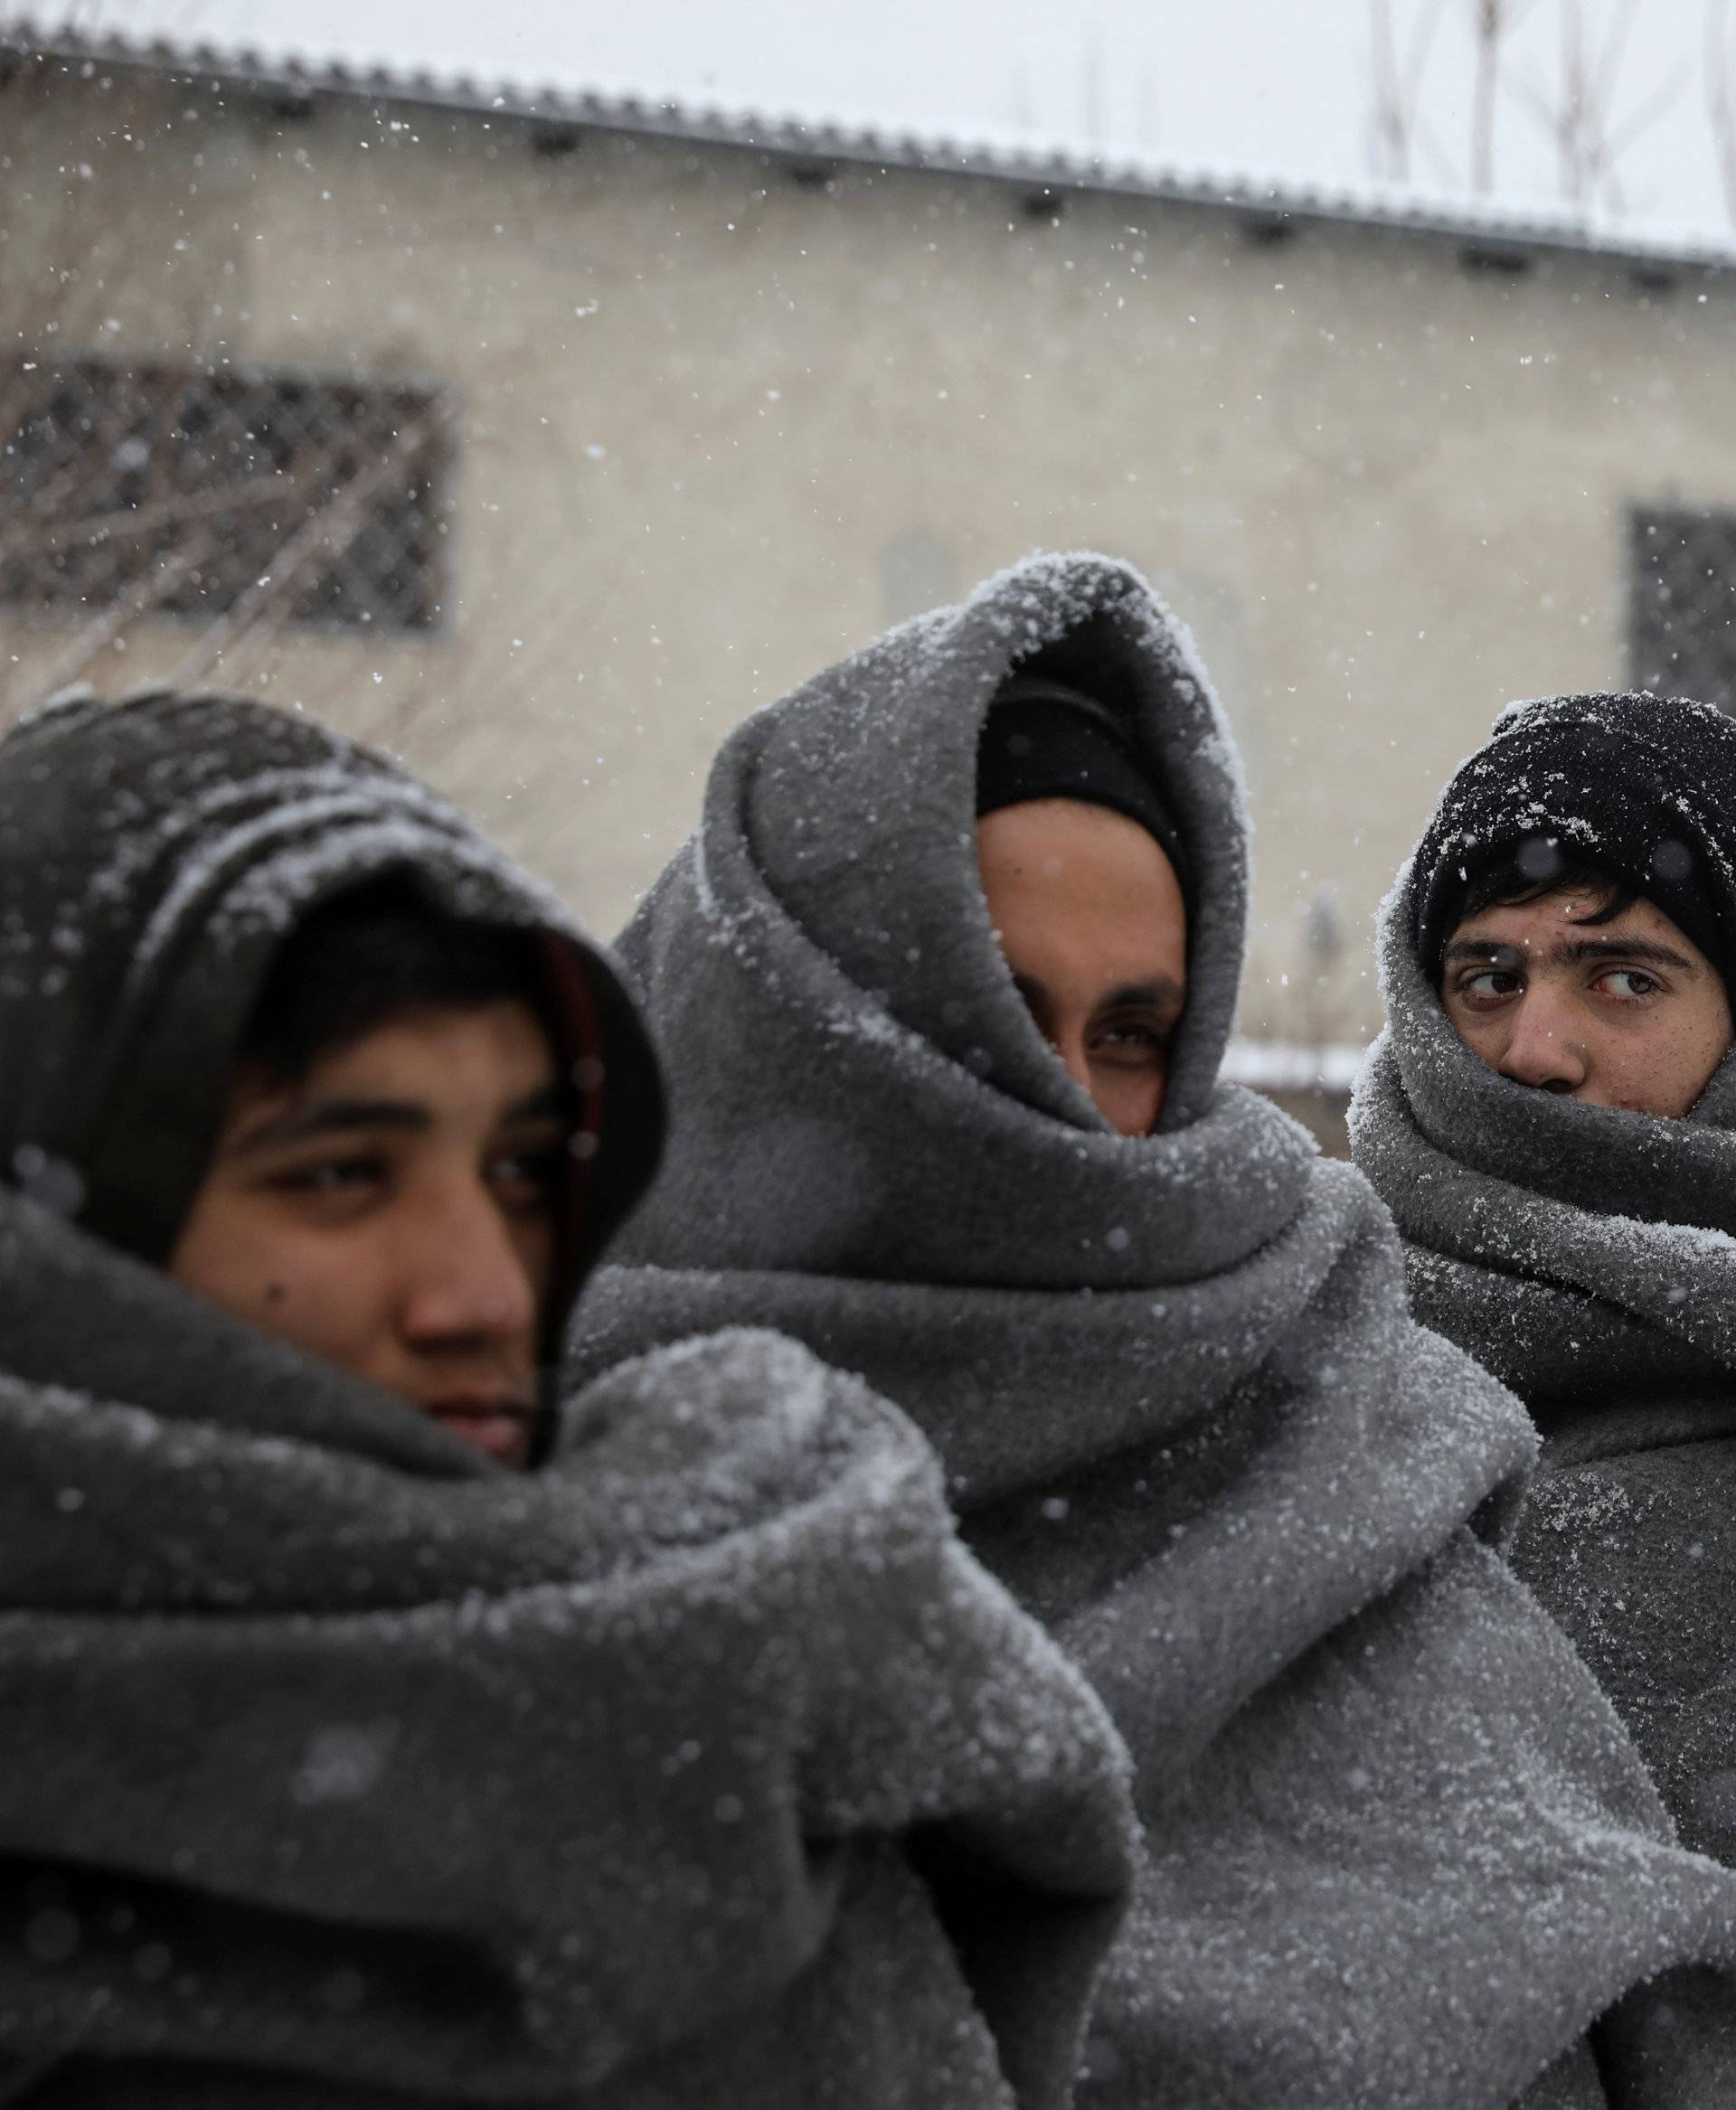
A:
(541, 439)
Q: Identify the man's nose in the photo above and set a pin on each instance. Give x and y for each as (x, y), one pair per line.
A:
(463, 1278)
(1069, 1045)
(1540, 1049)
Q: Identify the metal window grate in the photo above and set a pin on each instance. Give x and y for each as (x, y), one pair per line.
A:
(1682, 602)
(183, 488)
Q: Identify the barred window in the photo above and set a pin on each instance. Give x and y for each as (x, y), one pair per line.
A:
(188, 491)
(1682, 602)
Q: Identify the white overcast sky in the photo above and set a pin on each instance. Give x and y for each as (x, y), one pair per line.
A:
(1278, 89)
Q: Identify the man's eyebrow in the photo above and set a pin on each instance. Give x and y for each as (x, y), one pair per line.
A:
(1567, 952)
(1161, 991)
(329, 1118)
(1573, 952)
(547, 1102)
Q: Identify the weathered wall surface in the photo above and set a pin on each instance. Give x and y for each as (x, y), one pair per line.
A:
(719, 425)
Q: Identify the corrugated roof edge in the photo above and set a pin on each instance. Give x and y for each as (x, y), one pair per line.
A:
(1481, 227)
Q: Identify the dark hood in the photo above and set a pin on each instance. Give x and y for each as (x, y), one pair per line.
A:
(153, 856)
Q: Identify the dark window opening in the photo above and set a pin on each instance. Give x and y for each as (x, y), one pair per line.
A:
(1480, 258)
(185, 490)
(1682, 602)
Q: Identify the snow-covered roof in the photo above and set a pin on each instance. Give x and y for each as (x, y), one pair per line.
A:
(1480, 225)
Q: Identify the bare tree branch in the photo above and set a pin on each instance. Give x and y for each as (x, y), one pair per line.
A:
(1579, 116)
(140, 520)
(1397, 84)
(1721, 98)
(1615, 48)
(1640, 121)
(328, 532)
(26, 531)
(1440, 162)
(1391, 141)
(147, 595)
(1492, 23)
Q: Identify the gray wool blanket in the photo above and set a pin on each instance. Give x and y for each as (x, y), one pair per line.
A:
(339, 1766)
(1398, 1847)
(1587, 1256)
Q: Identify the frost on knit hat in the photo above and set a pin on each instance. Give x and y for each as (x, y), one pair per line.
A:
(1643, 788)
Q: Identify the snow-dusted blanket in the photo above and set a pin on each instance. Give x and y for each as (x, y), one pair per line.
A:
(339, 1766)
(1399, 1849)
(1585, 1256)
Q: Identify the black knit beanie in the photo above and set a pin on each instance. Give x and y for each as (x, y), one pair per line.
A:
(1643, 787)
(1045, 740)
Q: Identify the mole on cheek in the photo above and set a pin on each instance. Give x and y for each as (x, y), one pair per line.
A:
(274, 1293)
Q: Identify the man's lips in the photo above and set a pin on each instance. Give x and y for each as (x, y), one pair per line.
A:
(497, 1424)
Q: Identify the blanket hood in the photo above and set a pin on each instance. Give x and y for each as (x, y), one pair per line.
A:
(1586, 1255)
(154, 855)
(858, 792)
(696, 1766)
(835, 1013)
(1625, 1219)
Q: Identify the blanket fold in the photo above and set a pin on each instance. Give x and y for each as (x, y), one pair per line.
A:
(339, 1754)
(1587, 1256)
(343, 1767)
(1399, 1849)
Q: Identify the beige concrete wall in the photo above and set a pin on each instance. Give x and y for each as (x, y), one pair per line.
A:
(717, 426)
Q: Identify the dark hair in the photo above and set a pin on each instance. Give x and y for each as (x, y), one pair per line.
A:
(1535, 868)
(371, 955)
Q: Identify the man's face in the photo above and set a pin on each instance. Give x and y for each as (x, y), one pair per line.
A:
(1625, 1014)
(393, 1213)
(1091, 919)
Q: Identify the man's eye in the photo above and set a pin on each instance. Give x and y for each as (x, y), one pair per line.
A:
(1128, 1041)
(1493, 986)
(1637, 983)
(336, 1175)
(529, 1179)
